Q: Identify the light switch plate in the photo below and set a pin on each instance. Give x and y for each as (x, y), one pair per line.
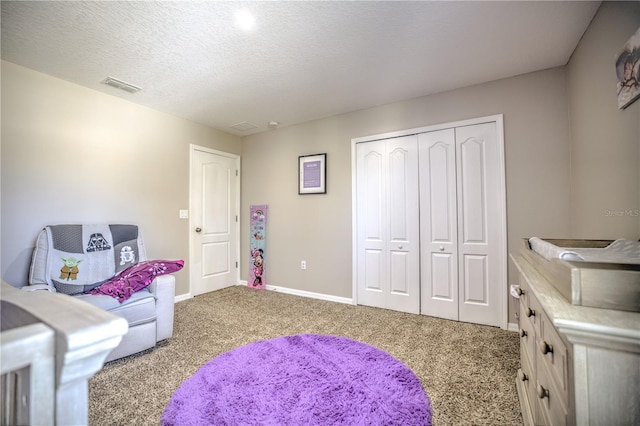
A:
(184, 214)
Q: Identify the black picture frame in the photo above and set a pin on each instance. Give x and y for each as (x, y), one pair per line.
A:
(312, 174)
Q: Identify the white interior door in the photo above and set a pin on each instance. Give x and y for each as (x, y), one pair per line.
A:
(403, 233)
(460, 220)
(214, 226)
(388, 224)
(438, 224)
(371, 222)
(479, 224)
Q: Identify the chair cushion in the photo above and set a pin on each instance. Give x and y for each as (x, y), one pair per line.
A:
(138, 309)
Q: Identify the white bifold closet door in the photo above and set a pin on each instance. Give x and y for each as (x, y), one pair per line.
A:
(388, 259)
(460, 217)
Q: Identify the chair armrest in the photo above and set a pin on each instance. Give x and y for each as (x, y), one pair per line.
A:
(164, 289)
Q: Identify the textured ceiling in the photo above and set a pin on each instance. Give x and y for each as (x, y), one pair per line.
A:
(301, 61)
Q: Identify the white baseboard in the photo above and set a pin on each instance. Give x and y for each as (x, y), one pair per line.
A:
(513, 327)
(181, 297)
(304, 293)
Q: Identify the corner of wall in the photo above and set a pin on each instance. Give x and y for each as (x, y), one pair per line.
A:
(604, 177)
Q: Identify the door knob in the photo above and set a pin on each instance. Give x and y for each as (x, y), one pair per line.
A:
(198, 229)
(441, 248)
(400, 247)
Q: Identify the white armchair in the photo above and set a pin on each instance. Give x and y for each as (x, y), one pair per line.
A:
(149, 312)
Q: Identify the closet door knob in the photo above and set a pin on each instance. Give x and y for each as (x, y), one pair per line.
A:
(530, 313)
(441, 248)
(519, 291)
(399, 247)
(523, 332)
(198, 229)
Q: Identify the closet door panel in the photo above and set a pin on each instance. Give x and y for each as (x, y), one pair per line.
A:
(372, 183)
(403, 224)
(400, 191)
(371, 210)
(441, 187)
(475, 285)
(472, 195)
(399, 268)
(478, 192)
(388, 224)
(373, 270)
(443, 286)
(438, 224)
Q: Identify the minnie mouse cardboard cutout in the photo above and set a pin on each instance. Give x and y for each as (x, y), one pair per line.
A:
(257, 243)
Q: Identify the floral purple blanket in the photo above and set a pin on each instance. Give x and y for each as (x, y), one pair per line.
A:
(135, 278)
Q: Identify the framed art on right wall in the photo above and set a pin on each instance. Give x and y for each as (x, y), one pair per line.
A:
(628, 71)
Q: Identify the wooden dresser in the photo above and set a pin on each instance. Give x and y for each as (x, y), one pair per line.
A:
(578, 365)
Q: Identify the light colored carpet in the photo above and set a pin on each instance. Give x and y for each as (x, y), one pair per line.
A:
(467, 370)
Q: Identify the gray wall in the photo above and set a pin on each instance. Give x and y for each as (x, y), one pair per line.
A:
(70, 154)
(317, 228)
(605, 143)
(74, 155)
(571, 157)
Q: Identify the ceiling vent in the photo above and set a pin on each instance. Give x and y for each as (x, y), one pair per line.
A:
(122, 85)
(244, 126)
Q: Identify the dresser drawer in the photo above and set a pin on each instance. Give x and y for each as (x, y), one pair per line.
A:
(527, 377)
(550, 401)
(527, 335)
(552, 356)
(530, 309)
(524, 287)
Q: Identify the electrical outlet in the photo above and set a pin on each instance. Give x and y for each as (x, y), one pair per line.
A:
(303, 264)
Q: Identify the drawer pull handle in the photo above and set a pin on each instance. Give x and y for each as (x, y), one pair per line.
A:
(523, 332)
(542, 392)
(519, 291)
(545, 348)
(523, 377)
(530, 313)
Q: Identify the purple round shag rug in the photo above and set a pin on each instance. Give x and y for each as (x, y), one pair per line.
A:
(306, 379)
